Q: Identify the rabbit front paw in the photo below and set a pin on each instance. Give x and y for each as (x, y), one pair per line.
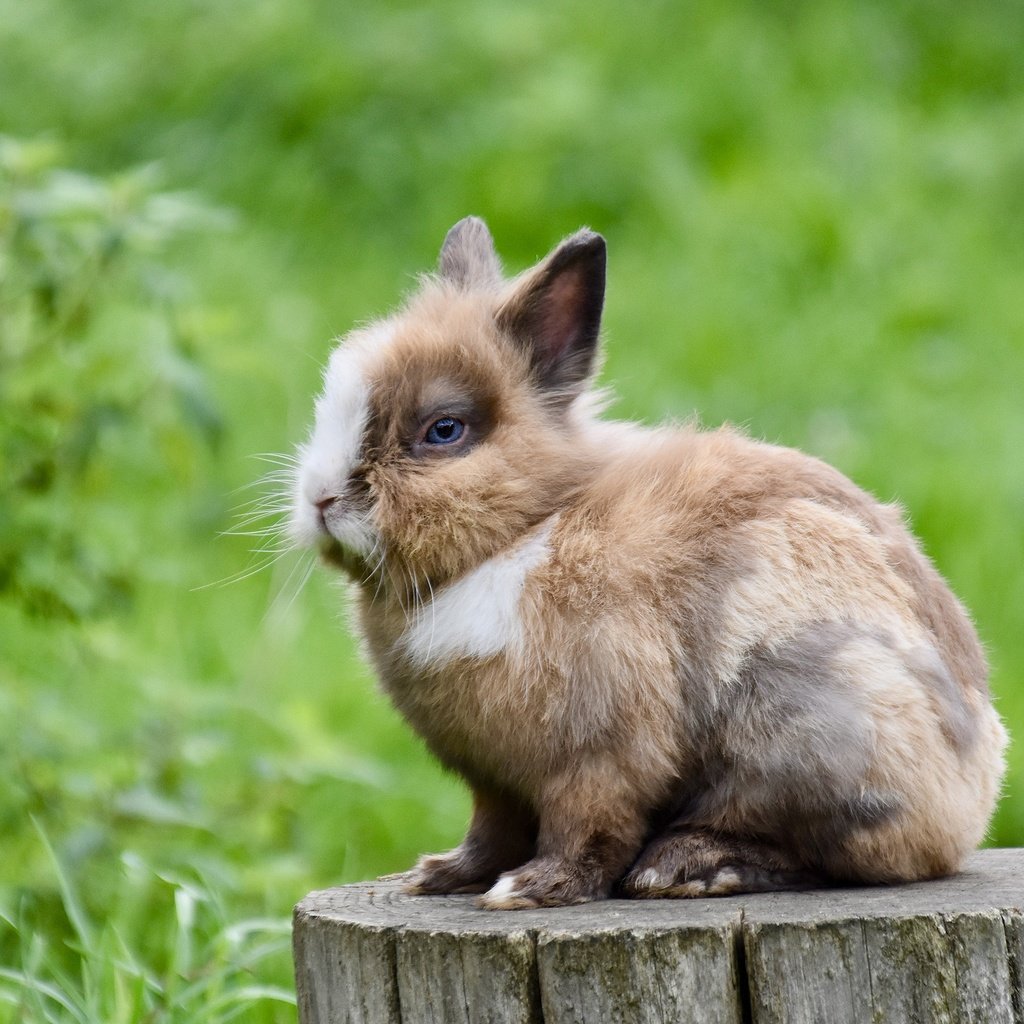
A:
(450, 872)
(543, 882)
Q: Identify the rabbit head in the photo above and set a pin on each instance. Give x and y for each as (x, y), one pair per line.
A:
(446, 430)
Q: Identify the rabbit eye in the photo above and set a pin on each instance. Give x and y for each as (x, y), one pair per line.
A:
(445, 431)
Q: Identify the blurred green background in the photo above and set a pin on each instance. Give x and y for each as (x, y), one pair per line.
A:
(815, 214)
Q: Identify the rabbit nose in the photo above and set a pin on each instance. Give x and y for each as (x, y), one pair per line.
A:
(323, 505)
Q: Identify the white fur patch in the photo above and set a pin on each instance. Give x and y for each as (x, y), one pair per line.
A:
(477, 615)
(334, 446)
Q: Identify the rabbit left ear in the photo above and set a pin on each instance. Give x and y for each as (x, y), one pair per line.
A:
(468, 256)
(554, 312)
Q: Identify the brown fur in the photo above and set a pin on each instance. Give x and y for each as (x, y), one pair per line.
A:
(728, 668)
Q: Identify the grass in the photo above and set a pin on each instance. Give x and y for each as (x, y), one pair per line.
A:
(194, 967)
(814, 220)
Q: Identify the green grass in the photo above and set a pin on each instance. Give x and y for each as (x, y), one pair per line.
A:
(815, 226)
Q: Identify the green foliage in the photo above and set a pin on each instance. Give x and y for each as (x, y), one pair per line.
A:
(814, 224)
(95, 376)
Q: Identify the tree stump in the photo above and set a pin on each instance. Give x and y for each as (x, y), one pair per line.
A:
(945, 951)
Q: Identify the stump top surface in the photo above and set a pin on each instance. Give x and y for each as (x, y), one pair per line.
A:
(993, 880)
(943, 952)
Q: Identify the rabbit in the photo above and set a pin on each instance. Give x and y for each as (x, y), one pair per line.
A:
(668, 662)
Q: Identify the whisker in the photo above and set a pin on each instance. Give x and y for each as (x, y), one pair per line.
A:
(273, 550)
(406, 611)
(310, 567)
(264, 517)
(304, 566)
(275, 476)
(254, 529)
(248, 518)
(244, 574)
(371, 569)
(264, 512)
(273, 494)
(433, 617)
(277, 458)
(379, 568)
(275, 530)
(262, 506)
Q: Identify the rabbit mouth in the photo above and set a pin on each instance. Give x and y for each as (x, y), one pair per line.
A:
(350, 533)
(350, 561)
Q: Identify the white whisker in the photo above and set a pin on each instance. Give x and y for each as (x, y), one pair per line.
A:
(244, 574)
(258, 522)
(271, 549)
(264, 517)
(242, 521)
(406, 611)
(433, 617)
(379, 569)
(304, 567)
(278, 458)
(252, 518)
(265, 507)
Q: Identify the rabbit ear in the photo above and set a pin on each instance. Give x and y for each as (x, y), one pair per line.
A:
(555, 311)
(467, 256)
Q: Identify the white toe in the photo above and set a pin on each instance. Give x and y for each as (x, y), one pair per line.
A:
(502, 888)
(648, 879)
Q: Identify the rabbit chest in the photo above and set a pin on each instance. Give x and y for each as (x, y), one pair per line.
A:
(531, 659)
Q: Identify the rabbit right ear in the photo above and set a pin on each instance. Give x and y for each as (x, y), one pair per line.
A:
(554, 313)
(468, 256)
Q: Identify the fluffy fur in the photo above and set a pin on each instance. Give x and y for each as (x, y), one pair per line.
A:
(667, 661)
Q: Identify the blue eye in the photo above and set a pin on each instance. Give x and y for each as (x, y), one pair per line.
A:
(445, 431)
